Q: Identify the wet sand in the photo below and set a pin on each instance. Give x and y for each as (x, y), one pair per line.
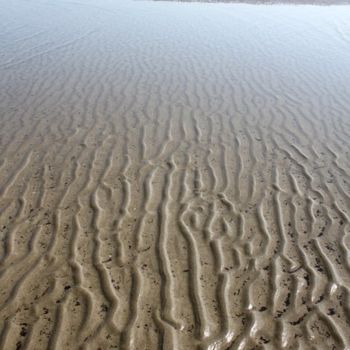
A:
(272, 2)
(174, 176)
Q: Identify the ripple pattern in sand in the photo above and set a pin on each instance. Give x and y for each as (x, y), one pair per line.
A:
(159, 192)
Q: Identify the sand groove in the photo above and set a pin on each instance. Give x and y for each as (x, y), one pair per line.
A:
(173, 176)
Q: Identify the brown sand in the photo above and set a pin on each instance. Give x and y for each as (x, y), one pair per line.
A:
(174, 176)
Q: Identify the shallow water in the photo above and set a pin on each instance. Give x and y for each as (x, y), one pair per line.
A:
(174, 175)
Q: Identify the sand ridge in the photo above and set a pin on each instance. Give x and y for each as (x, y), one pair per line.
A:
(173, 177)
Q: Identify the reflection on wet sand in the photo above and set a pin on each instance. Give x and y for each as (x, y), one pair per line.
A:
(271, 2)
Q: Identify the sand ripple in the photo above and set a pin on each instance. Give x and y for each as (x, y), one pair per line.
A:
(173, 177)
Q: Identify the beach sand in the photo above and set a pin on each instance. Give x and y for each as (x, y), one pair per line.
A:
(174, 176)
(272, 2)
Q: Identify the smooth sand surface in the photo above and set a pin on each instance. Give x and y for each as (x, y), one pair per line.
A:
(174, 176)
(273, 2)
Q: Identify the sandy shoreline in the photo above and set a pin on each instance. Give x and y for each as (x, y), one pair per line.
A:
(271, 2)
(174, 177)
